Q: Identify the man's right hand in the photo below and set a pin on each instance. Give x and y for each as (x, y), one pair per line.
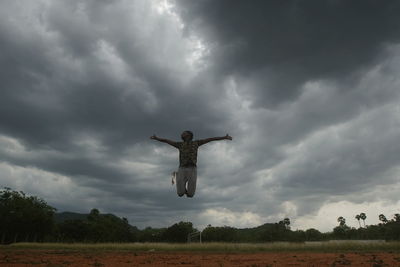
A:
(154, 137)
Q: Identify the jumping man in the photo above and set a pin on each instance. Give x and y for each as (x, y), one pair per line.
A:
(187, 173)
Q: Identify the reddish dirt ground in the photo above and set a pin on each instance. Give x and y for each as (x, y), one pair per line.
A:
(39, 258)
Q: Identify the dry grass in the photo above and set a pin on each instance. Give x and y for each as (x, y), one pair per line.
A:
(343, 246)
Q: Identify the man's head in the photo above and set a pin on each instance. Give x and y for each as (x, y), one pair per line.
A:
(187, 136)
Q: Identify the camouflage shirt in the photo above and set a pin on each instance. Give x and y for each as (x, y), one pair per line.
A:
(188, 152)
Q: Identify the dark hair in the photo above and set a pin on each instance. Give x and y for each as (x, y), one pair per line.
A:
(190, 133)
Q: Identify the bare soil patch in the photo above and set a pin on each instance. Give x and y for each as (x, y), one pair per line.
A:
(57, 258)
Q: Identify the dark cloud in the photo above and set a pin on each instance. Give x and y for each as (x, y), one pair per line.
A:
(277, 46)
(71, 89)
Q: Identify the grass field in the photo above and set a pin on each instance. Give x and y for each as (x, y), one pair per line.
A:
(340, 246)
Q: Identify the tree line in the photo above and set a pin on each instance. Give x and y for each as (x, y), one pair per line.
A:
(387, 229)
(30, 219)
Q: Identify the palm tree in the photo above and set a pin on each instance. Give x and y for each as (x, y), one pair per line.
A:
(397, 217)
(342, 221)
(286, 222)
(363, 216)
(358, 219)
(382, 218)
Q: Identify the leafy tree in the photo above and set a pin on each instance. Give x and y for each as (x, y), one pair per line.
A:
(178, 232)
(277, 232)
(313, 235)
(392, 230)
(286, 222)
(74, 231)
(296, 236)
(97, 227)
(150, 234)
(93, 215)
(341, 231)
(382, 218)
(341, 220)
(108, 228)
(24, 218)
(220, 234)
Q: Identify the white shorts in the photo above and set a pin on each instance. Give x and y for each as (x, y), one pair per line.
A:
(186, 179)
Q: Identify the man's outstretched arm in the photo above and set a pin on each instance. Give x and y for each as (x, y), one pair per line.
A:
(207, 140)
(170, 142)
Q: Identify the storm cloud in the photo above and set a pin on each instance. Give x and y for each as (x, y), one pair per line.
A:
(308, 90)
(275, 47)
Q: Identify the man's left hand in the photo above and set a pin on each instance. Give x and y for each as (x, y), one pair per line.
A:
(227, 136)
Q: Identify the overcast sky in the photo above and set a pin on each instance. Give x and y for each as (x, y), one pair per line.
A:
(309, 90)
